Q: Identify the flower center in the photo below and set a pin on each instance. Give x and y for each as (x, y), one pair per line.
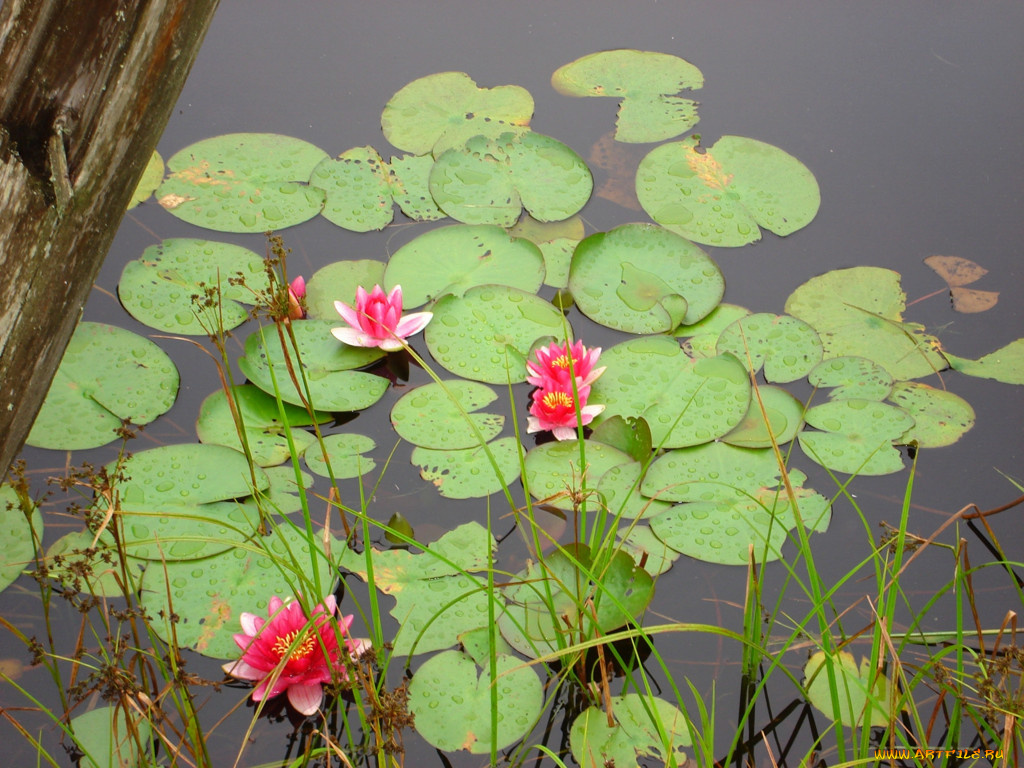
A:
(285, 644)
(562, 361)
(558, 399)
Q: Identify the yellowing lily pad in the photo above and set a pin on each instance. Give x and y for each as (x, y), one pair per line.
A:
(723, 195)
(865, 695)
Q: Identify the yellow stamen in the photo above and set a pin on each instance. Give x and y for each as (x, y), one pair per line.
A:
(562, 361)
(286, 643)
(555, 399)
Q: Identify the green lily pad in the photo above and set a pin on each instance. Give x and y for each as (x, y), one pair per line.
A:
(724, 531)
(685, 401)
(788, 348)
(620, 489)
(642, 726)
(557, 240)
(456, 258)
(641, 278)
(266, 435)
(1005, 365)
(108, 739)
(410, 187)
(435, 112)
(858, 312)
(284, 495)
(107, 375)
(338, 282)
(722, 195)
(17, 544)
(852, 378)
(857, 436)
(436, 599)
(558, 603)
(490, 180)
(451, 700)
(632, 435)
(646, 81)
(487, 334)
(713, 472)
(357, 190)
(210, 595)
(940, 417)
(864, 693)
(468, 473)
(345, 451)
(158, 287)
(702, 336)
(442, 416)
(92, 568)
(243, 182)
(785, 415)
(165, 531)
(553, 472)
(477, 645)
(327, 366)
(151, 177)
(647, 550)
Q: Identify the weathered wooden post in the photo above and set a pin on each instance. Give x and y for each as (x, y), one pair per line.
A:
(86, 89)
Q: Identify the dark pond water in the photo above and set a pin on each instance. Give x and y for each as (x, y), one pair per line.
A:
(909, 115)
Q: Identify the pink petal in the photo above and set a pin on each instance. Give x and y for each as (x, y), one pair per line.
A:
(348, 314)
(306, 698)
(243, 671)
(412, 324)
(358, 646)
(298, 286)
(356, 338)
(533, 425)
(564, 433)
(249, 623)
(395, 298)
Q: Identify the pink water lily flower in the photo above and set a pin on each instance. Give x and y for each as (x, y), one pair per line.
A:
(296, 292)
(554, 410)
(290, 652)
(377, 321)
(551, 368)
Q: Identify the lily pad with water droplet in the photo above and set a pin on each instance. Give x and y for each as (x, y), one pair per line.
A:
(940, 417)
(632, 435)
(165, 531)
(357, 189)
(410, 187)
(852, 378)
(326, 362)
(620, 490)
(468, 472)
(243, 182)
(346, 451)
(641, 278)
(487, 334)
(572, 596)
(856, 436)
(151, 177)
(786, 347)
(785, 415)
(553, 470)
(266, 435)
(557, 240)
(443, 415)
(17, 544)
(864, 693)
(685, 401)
(91, 567)
(647, 550)
(724, 531)
(490, 180)
(451, 260)
(107, 375)
(859, 312)
(722, 195)
(436, 599)
(1005, 365)
(451, 699)
(713, 472)
(158, 287)
(702, 336)
(435, 112)
(643, 726)
(338, 282)
(646, 81)
(210, 595)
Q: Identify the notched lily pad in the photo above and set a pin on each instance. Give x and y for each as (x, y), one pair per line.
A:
(243, 182)
(788, 348)
(641, 278)
(723, 195)
(468, 473)
(940, 417)
(785, 415)
(646, 81)
(107, 375)
(435, 112)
